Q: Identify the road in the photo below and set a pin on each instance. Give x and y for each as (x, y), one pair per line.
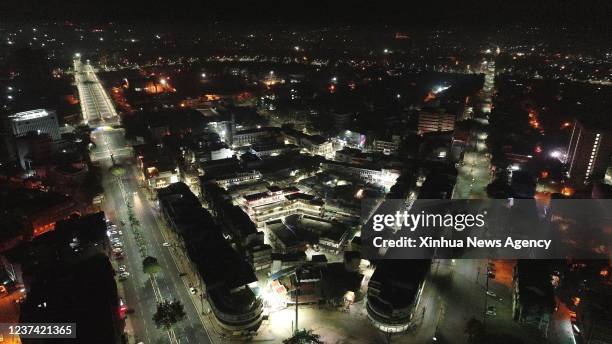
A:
(96, 106)
(474, 170)
(139, 292)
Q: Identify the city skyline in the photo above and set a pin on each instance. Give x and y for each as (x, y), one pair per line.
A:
(305, 172)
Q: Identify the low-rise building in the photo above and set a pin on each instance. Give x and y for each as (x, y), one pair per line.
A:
(260, 256)
(353, 156)
(157, 166)
(238, 178)
(386, 146)
(250, 136)
(379, 176)
(315, 144)
(393, 294)
(272, 149)
(232, 293)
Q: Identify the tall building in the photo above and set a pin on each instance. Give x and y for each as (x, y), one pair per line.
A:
(38, 121)
(432, 120)
(588, 153)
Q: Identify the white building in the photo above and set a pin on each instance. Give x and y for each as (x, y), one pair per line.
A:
(369, 174)
(39, 121)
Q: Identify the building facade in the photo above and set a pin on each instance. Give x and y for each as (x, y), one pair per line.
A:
(38, 121)
(436, 120)
(588, 153)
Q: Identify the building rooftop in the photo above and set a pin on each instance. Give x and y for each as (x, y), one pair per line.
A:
(391, 287)
(86, 291)
(29, 115)
(205, 245)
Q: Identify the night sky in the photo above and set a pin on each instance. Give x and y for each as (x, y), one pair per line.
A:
(404, 12)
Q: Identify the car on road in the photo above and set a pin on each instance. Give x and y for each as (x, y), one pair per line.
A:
(193, 290)
(166, 244)
(117, 250)
(493, 295)
(113, 232)
(122, 268)
(118, 244)
(491, 311)
(124, 275)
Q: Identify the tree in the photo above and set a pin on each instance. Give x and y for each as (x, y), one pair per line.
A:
(304, 337)
(117, 170)
(150, 266)
(475, 330)
(93, 182)
(168, 314)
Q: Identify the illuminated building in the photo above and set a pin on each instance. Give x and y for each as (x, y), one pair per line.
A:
(251, 136)
(432, 120)
(238, 178)
(369, 174)
(157, 167)
(352, 139)
(588, 153)
(315, 144)
(386, 146)
(38, 121)
(274, 149)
